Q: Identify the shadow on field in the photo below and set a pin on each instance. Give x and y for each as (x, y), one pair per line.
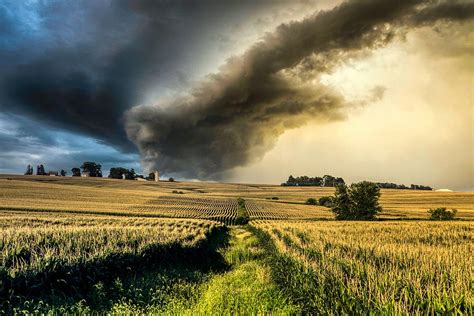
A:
(158, 274)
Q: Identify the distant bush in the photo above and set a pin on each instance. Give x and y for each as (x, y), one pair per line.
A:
(360, 201)
(442, 214)
(171, 180)
(177, 192)
(325, 201)
(312, 201)
(275, 198)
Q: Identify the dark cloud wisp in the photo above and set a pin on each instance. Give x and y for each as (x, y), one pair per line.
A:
(79, 65)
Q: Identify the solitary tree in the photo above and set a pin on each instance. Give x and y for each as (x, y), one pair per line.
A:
(76, 172)
(63, 173)
(360, 201)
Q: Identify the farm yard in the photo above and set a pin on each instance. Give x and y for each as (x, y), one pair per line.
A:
(80, 245)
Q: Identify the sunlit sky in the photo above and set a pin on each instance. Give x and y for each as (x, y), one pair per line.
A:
(420, 129)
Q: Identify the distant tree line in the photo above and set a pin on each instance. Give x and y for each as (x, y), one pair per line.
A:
(324, 181)
(89, 168)
(388, 185)
(330, 181)
(40, 171)
(93, 169)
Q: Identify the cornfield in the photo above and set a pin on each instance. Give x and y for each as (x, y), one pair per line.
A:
(381, 267)
(70, 238)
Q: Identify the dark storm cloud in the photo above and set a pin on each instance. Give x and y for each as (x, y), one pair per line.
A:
(236, 115)
(78, 65)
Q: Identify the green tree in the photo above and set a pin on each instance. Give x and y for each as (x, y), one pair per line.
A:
(342, 204)
(325, 201)
(92, 168)
(360, 201)
(117, 172)
(130, 174)
(311, 201)
(442, 214)
(76, 172)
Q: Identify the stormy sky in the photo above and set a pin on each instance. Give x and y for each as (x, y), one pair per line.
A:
(246, 91)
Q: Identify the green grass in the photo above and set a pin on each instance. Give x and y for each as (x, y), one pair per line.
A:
(246, 288)
(242, 214)
(229, 278)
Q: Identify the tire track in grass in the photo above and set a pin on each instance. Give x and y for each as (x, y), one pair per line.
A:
(245, 288)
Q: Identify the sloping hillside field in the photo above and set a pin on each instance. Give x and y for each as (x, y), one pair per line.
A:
(85, 245)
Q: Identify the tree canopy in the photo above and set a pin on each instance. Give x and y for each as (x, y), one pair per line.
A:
(360, 201)
(324, 181)
(76, 172)
(92, 168)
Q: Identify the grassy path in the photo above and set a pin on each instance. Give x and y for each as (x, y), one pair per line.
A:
(245, 288)
(231, 275)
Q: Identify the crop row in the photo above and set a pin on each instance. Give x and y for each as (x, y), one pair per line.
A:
(31, 243)
(46, 197)
(408, 268)
(262, 210)
(218, 209)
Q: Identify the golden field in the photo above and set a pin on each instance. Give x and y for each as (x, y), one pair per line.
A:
(209, 200)
(85, 245)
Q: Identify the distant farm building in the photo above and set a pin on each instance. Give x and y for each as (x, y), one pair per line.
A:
(86, 174)
(157, 175)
